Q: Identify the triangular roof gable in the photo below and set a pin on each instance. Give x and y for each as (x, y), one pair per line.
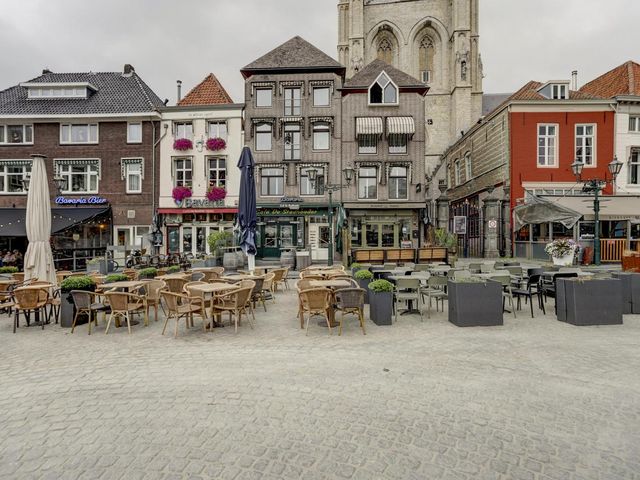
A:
(208, 92)
(368, 75)
(622, 80)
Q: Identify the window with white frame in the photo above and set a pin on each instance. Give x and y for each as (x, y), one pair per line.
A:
(12, 173)
(58, 92)
(367, 183)
(18, 134)
(264, 97)
(398, 143)
(634, 124)
(134, 132)
(311, 188)
(321, 136)
(321, 96)
(292, 139)
(217, 172)
(547, 145)
(264, 135)
(183, 172)
(133, 174)
(457, 173)
(559, 91)
(218, 129)
(367, 144)
(80, 176)
(383, 91)
(467, 167)
(398, 183)
(292, 101)
(585, 141)
(272, 182)
(79, 133)
(634, 167)
(183, 130)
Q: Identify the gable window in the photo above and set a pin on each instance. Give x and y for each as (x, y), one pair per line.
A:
(367, 183)
(12, 173)
(398, 143)
(559, 92)
(321, 136)
(264, 97)
(182, 172)
(133, 174)
(80, 176)
(264, 135)
(292, 141)
(18, 134)
(321, 96)
(634, 124)
(383, 91)
(398, 183)
(367, 144)
(309, 188)
(547, 145)
(634, 167)
(585, 138)
(456, 173)
(217, 172)
(292, 98)
(467, 167)
(183, 130)
(272, 182)
(79, 133)
(218, 130)
(58, 92)
(134, 132)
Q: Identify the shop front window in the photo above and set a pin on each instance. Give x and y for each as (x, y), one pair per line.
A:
(387, 235)
(187, 239)
(173, 239)
(372, 233)
(356, 232)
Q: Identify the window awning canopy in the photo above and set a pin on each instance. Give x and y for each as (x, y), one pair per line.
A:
(12, 220)
(538, 210)
(369, 126)
(612, 207)
(400, 126)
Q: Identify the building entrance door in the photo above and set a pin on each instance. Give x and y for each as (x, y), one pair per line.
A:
(275, 237)
(319, 241)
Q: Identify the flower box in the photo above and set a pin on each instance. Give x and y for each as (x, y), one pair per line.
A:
(182, 144)
(181, 193)
(216, 144)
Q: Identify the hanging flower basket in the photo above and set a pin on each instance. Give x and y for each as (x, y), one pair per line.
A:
(216, 144)
(180, 193)
(182, 144)
(215, 194)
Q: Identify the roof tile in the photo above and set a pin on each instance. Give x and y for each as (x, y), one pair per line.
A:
(208, 92)
(622, 80)
(366, 76)
(294, 53)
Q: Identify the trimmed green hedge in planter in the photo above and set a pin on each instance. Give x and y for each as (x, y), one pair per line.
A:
(364, 277)
(9, 270)
(116, 277)
(67, 308)
(173, 269)
(355, 266)
(381, 302)
(150, 272)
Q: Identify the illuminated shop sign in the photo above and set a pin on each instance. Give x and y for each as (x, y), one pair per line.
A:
(94, 200)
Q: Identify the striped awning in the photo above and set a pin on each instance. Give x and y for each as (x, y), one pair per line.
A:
(369, 126)
(400, 125)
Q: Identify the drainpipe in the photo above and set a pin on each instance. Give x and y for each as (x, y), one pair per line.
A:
(153, 162)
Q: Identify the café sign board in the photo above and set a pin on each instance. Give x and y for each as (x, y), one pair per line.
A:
(199, 203)
(93, 200)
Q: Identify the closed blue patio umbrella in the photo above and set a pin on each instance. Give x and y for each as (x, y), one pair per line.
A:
(247, 216)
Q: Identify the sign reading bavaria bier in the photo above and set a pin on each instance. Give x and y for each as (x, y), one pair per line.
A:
(200, 203)
(94, 200)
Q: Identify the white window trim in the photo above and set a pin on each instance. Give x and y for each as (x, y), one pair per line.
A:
(59, 162)
(313, 147)
(406, 152)
(557, 144)
(468, 167)
(308, 167)
(457, 177)
(212, 120)
(255, 137)
(174, 170)
(358, 146)
(313, 103)
(208, 159)
(141, 134)
(383, 104)
(175, 124)
(125, 173)
(594, 145)
(637, 124)
(284, 182)
(406, 177)
(64, 142)
(376, 179)
(23, 125)
(630, 164)
(7, 162)
(255, 94)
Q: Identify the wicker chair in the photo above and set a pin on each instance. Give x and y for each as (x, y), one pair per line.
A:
(125, 305)
(197, 276)
(303, 284)
(317, 301)
(153, 289)
(130, 273)
(267, 287)
(257, 294)
(176, 285)
(351, 300)
(27, 300)
(84, 303)
(18, 276)
(210, 276)
(407, 289)
(235, 303)
(280, 278)
(183, 306)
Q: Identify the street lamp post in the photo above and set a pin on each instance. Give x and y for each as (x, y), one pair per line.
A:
(595, 186)
(348, 173)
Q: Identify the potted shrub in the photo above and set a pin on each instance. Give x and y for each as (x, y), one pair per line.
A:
(364, 278)
(9, 270)
(218, 241)
(562, 251)
(381, 302)
(173, 269)
(67, 308)
(597, 301)
(182, 144)
(149, 273)
(474, 302)
(355, 266)
(448, 240)
(116, 277)
(97, 264)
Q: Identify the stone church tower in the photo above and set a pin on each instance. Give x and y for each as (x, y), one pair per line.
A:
(436, 41)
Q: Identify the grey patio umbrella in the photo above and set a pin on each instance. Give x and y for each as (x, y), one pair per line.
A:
(38, 261)
(247, 216)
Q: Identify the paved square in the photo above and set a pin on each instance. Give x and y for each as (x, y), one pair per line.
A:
(534, 399)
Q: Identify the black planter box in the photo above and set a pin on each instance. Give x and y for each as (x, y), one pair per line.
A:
(475, 304)
(380, 307)
(589, 302)
(364, 284)
(630, 291)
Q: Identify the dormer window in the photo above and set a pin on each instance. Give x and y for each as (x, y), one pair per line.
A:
(383, 91)
(57, 90)
(559, 92)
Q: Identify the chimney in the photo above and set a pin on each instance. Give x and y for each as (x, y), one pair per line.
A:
(179, 82)
(45, 71)
(128, 69)
(574, 80)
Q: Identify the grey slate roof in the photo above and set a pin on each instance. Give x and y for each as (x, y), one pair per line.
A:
(490, 101)
(116, 94)
(295, 53)
(365, 77)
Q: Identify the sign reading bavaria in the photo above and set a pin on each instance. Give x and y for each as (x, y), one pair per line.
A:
(199, 203)
(81, 200)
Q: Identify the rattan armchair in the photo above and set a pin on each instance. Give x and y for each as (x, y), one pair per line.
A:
(27, 300)
(317, 301)
(351, 300)
(235, 303)
(176, 285)
(125, 305)
(183, 306)
(267, 287)
(84, 303)
(154, 299)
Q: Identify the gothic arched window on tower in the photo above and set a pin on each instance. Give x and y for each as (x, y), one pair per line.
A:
(385, 50)
(425, 64)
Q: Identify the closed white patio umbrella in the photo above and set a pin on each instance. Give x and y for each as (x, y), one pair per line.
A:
(38, 261)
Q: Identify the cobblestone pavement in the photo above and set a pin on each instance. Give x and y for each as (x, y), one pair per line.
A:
(535, 399)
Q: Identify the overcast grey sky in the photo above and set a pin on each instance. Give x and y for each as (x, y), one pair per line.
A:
(167, 40)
